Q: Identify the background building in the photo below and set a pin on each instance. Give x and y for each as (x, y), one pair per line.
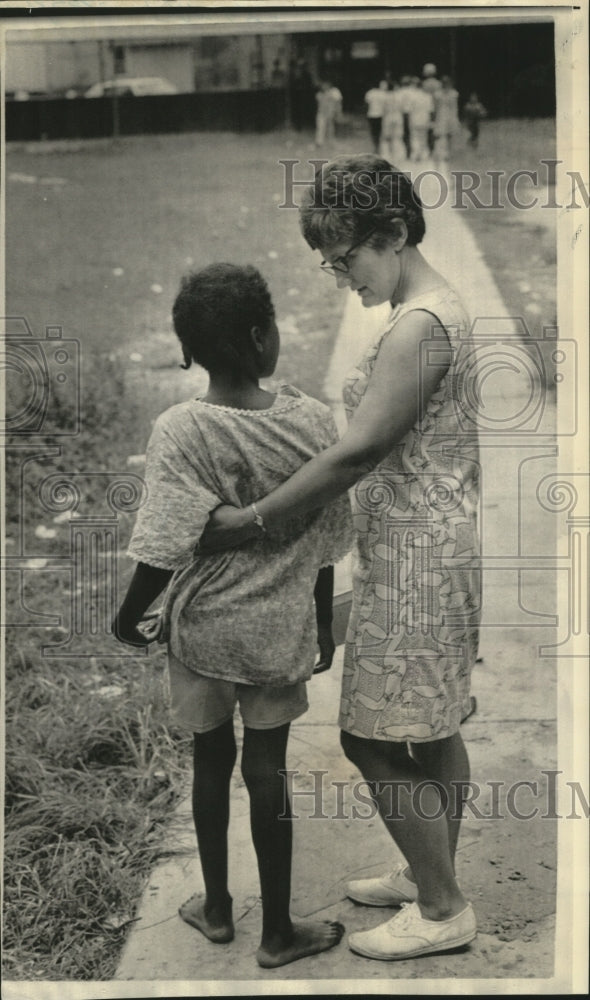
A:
(264, 80)
(209, 63)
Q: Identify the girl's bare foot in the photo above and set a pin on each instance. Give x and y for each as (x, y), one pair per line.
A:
(215, 923)
(306, 939)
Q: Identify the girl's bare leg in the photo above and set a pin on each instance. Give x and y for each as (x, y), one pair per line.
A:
(263, 760)
(214, 756)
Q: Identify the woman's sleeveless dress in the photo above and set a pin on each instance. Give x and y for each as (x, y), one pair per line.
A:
(413, 631)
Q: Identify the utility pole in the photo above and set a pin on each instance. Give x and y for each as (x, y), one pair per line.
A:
(114, 99)
(101, 73)
(453, 54)
(288, 75)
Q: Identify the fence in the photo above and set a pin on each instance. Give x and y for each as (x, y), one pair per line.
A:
(91, 118)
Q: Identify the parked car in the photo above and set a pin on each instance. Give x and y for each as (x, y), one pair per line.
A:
(132, 86)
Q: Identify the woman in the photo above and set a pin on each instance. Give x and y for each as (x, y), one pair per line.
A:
(421, 112)
(376, 102)
(446, 119)
(393, 125)
(473, 112)
(329, 110)
(410, 452)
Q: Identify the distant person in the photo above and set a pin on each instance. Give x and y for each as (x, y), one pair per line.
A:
(405, 102)
(446, 118)
(431, 85)
(376, 102)
(329, 110)
(421, 110)
(240, 630)
(302, 95)
(393, 126)
(473, 112)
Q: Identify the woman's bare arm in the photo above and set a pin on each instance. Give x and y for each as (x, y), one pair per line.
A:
(399, 388)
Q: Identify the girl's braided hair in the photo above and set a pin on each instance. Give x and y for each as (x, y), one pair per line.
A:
(214, 312)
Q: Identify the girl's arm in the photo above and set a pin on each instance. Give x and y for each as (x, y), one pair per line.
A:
(323, 596)
(400, 386)
(146, 584)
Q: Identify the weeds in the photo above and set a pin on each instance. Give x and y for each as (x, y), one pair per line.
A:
(92, 767)
(91, 774)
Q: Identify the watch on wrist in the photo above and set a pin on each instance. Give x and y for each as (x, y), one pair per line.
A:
(258, 518)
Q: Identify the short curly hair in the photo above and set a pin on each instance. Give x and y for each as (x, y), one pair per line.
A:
(214, 312)
(352, 196)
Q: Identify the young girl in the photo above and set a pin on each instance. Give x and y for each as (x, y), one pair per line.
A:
(239, 624)
(473, 112)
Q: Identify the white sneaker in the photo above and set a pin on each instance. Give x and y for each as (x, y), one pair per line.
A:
(409, 934)
(386, 890)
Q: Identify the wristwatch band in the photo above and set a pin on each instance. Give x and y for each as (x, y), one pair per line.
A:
(258, 518)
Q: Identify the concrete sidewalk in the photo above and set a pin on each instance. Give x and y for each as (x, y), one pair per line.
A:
(506, 865)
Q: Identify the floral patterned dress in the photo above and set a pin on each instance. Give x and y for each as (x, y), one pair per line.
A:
(413, 631)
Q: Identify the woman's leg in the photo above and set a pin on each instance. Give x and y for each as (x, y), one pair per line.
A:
(375, 132)
(263, 761)
(418, 138)
(406, 801)
(214, 756)
(330, 129)
(320, 130)
(446, 762)
(407, 134)
(398, 150)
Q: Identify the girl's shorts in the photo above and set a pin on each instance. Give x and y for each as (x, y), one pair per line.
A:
(203, 703)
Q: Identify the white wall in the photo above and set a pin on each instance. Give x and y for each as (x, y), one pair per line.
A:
(75, 64)
(25, 66)
(55, 66)
(229, 63)
(173, 62)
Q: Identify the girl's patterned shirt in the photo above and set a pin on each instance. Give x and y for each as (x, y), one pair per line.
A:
(246, 615)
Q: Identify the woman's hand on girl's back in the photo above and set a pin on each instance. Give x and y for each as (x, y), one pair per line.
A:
(226, 528)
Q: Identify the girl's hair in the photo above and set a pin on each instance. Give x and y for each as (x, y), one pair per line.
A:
(214, 312)
(351, 196)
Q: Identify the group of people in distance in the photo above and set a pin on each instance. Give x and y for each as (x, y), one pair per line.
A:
(419, 118)
(409, 120)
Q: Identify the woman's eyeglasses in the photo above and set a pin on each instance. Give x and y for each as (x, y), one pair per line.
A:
(340, 265)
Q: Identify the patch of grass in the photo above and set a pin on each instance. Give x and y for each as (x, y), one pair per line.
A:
(519, 245)
(93, 764)
(106, 406)
(92, 771)
(140, 212)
